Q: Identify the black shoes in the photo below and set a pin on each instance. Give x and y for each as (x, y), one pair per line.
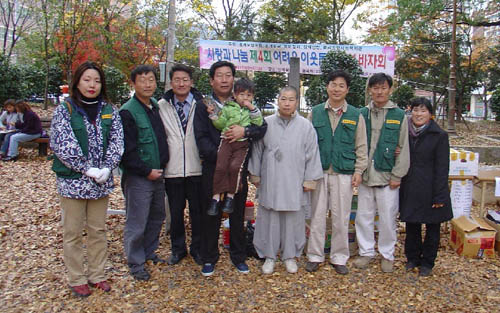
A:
(157, 260)
(212, 208)
(312, 266)
(141, 275)
(227, 207)
(410, 265)
(425, 271)
(10, 158)
(175, 258)
(341, 269)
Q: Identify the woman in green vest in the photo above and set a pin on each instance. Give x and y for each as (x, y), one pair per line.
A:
(87, 140)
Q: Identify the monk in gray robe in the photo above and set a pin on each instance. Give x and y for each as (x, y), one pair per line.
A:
(284, 165)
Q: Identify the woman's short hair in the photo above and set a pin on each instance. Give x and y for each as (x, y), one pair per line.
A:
(77, 75)
(421, 101)
(289, 88)
(8, 102)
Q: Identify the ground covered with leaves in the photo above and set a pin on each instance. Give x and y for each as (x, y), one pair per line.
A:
(33, 277)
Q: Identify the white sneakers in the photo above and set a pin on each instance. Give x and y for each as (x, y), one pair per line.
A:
(268, 267)
(291, 266)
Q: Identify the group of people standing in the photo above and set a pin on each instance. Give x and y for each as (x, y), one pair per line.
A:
(204, 150)
(400, 166)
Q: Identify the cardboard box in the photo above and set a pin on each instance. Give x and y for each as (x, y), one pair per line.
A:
(497, 237)
(472, 237)
(464, 163)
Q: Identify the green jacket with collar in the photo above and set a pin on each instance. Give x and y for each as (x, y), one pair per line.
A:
(337, 148)
(147, 144)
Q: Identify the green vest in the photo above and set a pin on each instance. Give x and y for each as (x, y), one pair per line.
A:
(147, 144)
(384, 157)
(336, 149)
(80, 131)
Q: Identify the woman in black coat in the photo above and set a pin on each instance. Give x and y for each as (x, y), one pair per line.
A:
(424, 194)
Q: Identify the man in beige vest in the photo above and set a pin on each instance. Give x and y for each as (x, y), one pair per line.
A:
(183, 171)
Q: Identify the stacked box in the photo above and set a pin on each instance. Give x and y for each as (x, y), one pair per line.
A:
(497, 237)
(463, 163)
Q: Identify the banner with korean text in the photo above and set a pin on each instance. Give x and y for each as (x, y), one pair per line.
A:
(275, 57)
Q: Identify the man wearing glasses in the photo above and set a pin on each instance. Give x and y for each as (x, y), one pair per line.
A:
(183, 171)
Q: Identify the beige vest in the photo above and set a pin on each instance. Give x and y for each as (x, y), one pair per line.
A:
(184, 157)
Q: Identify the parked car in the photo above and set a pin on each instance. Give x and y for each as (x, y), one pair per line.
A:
(52, 98)
(269, 108)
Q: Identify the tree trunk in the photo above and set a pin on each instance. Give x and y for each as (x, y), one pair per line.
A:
(485, 101)
(170, 42)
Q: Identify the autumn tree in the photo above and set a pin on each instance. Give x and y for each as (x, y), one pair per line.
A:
(422, 30)
(237, 22)
(306, 21)
(402, 95)
(16, 19)
(74, 37)
(495, 103)
(267, 86)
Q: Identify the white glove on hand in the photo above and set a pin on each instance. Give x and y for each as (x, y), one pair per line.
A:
(103, 175)
(93, 172)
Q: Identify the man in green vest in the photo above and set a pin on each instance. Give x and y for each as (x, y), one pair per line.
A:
(343, 150)
(145, 157)
(387, 131)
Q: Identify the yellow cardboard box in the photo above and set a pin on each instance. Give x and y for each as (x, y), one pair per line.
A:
(497, 237)
(472, 237)
(464, 163)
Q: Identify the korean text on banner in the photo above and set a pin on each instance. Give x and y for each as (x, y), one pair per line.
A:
(275, 57)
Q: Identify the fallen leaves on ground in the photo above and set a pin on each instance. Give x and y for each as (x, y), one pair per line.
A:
(33, 276)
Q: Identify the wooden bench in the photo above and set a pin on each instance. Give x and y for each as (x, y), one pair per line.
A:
(43, 142)
(43, 145)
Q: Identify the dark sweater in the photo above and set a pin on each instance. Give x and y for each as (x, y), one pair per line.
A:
(31, 124)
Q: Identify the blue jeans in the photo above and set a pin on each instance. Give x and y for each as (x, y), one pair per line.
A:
(14, 140)
(5, 143)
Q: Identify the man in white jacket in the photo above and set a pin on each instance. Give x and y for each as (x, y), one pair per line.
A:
(183, 172)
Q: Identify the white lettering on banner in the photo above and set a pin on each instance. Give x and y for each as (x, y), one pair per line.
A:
(275, 57)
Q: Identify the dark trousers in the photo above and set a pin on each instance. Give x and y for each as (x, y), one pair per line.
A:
(230, 159)
(211, 224)
(145, 209)
(179, 190)
(422, 253)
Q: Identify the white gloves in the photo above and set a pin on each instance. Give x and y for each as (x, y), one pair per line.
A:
(93, 172)
(103, 175)
(100, 175)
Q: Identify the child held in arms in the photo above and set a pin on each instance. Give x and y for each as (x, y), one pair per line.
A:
(232, 155)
